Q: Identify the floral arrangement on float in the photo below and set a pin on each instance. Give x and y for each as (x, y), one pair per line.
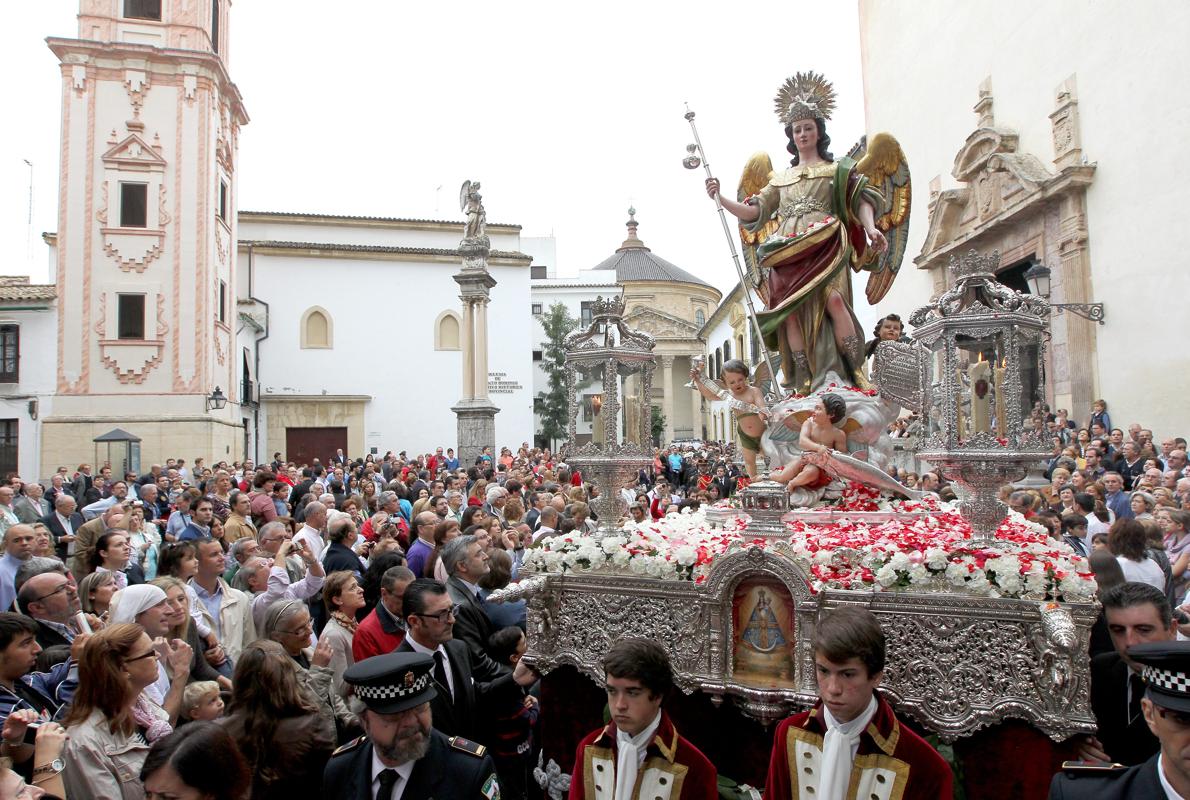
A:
(918, 552)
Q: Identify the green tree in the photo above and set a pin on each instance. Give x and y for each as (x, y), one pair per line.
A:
(552, 405)
(657, 422)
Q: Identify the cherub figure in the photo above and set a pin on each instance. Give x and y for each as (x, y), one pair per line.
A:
(745, 400)
(818, 436)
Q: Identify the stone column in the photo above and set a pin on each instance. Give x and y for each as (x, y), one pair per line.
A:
(475, 413)
(481, 349)
(468, 344)
(668, 405)
(696, 411)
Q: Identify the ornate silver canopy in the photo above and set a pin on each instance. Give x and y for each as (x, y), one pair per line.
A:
(974, 372)
(607, 351)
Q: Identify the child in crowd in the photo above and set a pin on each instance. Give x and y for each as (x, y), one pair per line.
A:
(512, 729)
(201, 702)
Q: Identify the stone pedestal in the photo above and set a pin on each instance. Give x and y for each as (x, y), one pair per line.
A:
(477, 428)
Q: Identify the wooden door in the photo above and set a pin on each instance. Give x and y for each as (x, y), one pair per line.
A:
(303, 445)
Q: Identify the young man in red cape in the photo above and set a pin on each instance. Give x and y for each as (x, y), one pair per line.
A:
(851, 744)
(639, 755)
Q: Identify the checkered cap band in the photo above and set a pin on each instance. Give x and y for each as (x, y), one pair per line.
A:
(1177, 682)
(393, 691)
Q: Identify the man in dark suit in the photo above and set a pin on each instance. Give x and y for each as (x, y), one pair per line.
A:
(338, 554)
(63, 523)
(467, 687)
(466, 564)
(1136, 613)
(1165, 668)
(402, 750)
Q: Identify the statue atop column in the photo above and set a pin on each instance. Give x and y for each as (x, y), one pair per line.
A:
(475, 412)
(471, 204)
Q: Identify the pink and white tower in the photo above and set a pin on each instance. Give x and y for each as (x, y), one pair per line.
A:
(146, 241)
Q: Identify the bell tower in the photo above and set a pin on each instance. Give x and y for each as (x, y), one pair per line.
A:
(146, 240)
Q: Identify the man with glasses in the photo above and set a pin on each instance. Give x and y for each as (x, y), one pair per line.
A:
(461, 679)
(1165, 707)
(52, 600)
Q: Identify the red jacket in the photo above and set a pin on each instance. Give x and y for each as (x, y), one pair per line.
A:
(674, 769)
(886, 746)
(377, 635)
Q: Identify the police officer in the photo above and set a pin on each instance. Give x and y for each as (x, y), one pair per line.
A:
(402, 757)
(1166, 708)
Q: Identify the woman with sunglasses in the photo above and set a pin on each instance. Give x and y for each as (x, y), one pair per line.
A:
(112, 724)
(288, 623)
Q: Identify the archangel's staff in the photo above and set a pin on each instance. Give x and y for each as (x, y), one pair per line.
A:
(696, 157)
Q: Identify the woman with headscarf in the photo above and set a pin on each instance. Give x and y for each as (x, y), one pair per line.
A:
(147, 606)
(287, 622)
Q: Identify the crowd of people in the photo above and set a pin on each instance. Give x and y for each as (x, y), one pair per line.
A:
(287, 631)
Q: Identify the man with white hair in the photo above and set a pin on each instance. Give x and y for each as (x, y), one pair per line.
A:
(310, 536)
(268, 580)
(1182, 493)
(62, 524)
(497, 496)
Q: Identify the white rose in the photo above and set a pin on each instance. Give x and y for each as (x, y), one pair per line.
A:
(956, 574)
(886, 576)
(553, 561)
(918, 574)
(899, 561)
(936, 558)
(611, 544)
(685, 555)
(653, 566)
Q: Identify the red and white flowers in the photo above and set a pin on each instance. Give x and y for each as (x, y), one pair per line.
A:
(924, 553)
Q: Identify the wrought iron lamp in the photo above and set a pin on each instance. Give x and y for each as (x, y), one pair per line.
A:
(1038, 278)
(217, 401)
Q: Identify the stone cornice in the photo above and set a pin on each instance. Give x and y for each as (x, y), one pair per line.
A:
(127, 55)
(378, 252)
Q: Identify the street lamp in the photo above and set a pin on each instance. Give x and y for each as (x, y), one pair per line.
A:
(1038, 278)
(217, 400)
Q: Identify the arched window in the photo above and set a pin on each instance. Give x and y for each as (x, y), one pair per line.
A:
(718, 363)
(739, 346)
(727, 350)
(700, 318)
(318, 330)
(446, 331)
(755, 347)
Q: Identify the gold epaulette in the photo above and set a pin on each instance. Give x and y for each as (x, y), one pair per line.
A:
(347, 748)
(467, 746)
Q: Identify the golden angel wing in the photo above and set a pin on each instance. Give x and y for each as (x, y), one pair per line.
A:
(887, 171)
(754, 178)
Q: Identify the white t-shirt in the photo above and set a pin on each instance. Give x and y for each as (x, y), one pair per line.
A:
(1146, 571)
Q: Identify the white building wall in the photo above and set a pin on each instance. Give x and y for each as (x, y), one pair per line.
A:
(1128, 60)
(38, 341)
(383, 313)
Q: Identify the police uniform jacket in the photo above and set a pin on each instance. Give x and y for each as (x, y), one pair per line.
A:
(453, 769)
(1128, 741)
(1120, 784)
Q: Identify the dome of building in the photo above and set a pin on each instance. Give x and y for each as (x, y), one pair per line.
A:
(633, 261)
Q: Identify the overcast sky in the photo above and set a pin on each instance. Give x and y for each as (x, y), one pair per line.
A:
(567, 113)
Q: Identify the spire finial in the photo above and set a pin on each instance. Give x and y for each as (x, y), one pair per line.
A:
(633, 241)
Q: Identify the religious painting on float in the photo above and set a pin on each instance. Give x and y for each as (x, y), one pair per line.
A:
(763, 634)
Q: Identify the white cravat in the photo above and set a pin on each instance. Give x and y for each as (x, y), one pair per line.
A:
(838, 750)
(630, 754)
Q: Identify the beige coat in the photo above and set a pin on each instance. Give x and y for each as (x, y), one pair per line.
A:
(100, 763)
(340, 640)
(235, 616)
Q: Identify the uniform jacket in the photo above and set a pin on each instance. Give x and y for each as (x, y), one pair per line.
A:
(453, 769)
(1124, 784)
(673, 769)
(1129, 744)
(479, 690)
(892, 763)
